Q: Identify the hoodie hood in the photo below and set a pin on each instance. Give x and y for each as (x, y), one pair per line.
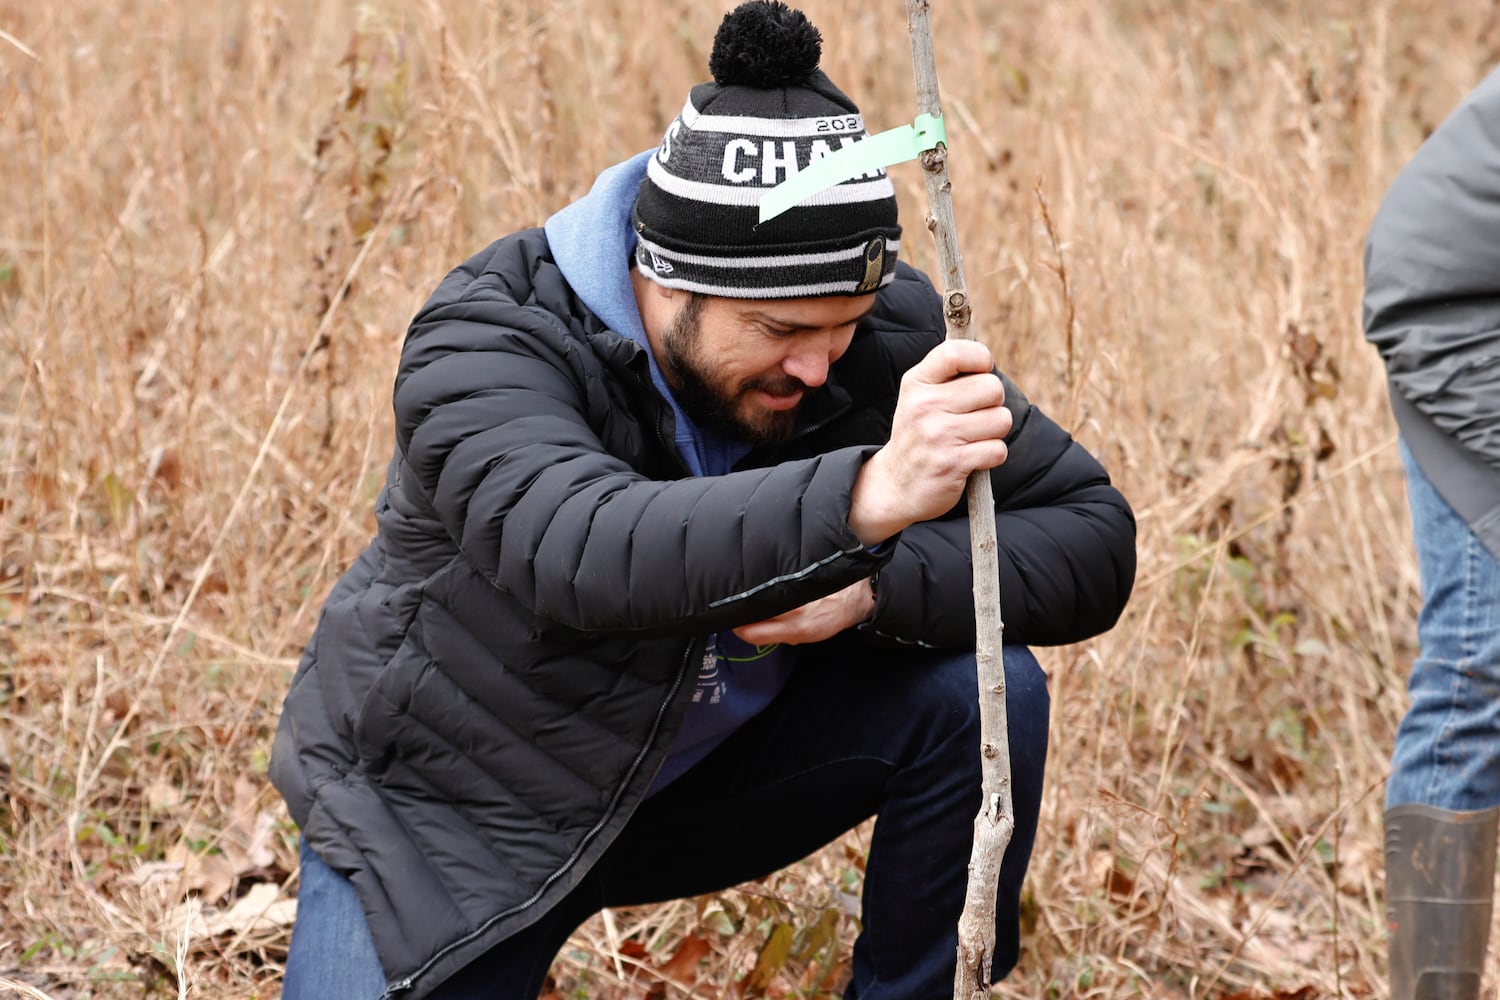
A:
(592, 242)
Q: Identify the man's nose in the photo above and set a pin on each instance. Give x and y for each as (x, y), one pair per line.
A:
(809, 363)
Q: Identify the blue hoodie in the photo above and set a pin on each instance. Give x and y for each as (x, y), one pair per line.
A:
(593, 244)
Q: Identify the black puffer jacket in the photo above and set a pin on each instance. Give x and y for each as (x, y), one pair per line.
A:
(492, 686)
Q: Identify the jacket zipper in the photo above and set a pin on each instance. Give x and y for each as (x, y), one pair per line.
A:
(661, 434)
(403, 985)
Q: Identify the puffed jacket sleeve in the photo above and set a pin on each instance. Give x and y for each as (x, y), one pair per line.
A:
(1065, 534)
(1066, 546)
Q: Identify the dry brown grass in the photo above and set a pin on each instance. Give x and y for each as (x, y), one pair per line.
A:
(215, 221)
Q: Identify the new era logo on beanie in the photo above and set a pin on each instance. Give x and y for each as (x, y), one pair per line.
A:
(768, 113)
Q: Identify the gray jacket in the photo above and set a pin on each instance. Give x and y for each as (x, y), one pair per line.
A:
(1432, 306)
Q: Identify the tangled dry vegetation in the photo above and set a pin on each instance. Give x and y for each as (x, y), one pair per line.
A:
(216, 220)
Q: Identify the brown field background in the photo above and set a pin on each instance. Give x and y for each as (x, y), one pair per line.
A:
(215, 221)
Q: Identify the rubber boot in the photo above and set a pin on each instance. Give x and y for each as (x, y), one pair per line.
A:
(1439, 878)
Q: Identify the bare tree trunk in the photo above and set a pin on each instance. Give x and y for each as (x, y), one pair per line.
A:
(996, 819)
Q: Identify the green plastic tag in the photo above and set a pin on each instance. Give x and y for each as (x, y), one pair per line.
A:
(897, 145)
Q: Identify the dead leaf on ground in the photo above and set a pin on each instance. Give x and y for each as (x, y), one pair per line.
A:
(246, 838)
(772, 959)
(211, 876)
(162, 795)
(683, 965)
(262, 909)
(1302, 993)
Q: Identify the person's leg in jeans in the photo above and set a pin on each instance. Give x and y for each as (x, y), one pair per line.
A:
(1447, 751)
(1441, 801)
(331, 954)
(857, 731)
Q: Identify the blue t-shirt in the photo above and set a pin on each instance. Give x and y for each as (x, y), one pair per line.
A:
(593, 244)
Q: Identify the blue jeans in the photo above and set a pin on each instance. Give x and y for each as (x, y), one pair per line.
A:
(856, 732)
(1448, 746)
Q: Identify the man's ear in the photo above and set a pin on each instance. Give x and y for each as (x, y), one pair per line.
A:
(644, 286)
(653, 301)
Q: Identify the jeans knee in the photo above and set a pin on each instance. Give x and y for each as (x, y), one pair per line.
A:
(1028, 706)
(948, 694)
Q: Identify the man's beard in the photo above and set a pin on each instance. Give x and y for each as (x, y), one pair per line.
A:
(708, 400)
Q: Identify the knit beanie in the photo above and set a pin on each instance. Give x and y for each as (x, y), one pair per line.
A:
(768, 112)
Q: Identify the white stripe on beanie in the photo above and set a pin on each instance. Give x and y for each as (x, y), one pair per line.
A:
(768, 292)
(746, 258)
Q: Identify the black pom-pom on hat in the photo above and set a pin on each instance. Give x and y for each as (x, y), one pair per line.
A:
(765, 44)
